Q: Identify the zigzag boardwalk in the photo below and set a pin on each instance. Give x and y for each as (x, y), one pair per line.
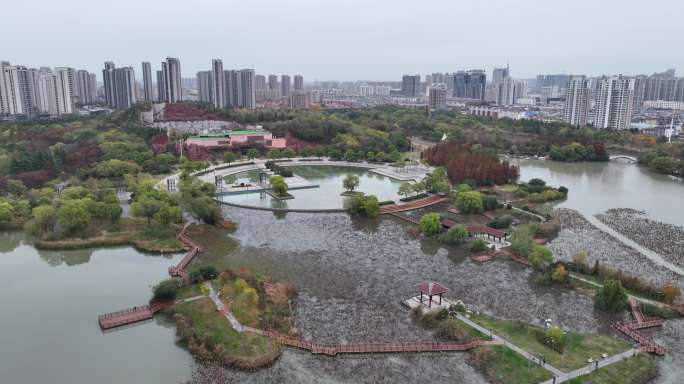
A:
(417, 204)
(630, 329)
(334, 349)
(146, 312)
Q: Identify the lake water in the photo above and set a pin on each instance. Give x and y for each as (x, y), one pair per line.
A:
(597, 187)
(50, 303)
(328, 193)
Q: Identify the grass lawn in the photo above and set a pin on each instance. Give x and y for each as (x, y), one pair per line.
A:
(190, 291)
(208, 322)
(501, 365)
(509, 188)
(636, 370)
(579, 347)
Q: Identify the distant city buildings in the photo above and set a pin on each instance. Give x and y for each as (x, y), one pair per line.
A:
(507, 92)
(437, 96)
(205, 86)
(299, 100)
(614, 103)
(410, 85)
(469, 85)
(148, 93)
(285, 85)
(169, 85)
(298, 83)
(577, 99)
(218, 84)
(30, 91)
(500, 74)
(119, 86)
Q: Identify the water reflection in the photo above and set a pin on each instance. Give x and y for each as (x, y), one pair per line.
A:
(597, 187)
(9, 241)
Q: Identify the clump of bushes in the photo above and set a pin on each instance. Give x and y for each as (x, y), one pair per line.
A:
(668, 293)
(553, 337)
(455, 235)
(278, 169)
(478, 246)
(430, 224)
(470, 202)
(166, 290)
(365, 205)
(278, 185)
(612, 297)
(203, 273)
(501, 222)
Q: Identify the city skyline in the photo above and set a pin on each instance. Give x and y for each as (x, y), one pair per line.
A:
(568, 45)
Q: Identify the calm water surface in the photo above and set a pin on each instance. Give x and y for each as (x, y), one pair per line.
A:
(328, 193)
(597, 187)
(50, 303)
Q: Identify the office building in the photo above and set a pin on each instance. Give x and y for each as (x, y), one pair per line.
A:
(285, 86)
(247, 93)
(272, 82)
(148, 93)
(410, 85)
(298, 83)
(500, 74)
(86, 87)
(577, 97)
(218, 84)
(614, 103)
(299, 100)
(171, 90)
(469, 85)
(63, 92)
(260, 82)
(558, 80)
(119, 84)
(108, 81)
(437, 95)
(205, 86)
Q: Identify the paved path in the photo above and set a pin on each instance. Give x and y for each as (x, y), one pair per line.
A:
(560, 376)
(222, 308)
(589, 368)
(520, 351)
(654, 256)
(598, 285)
(540, 217)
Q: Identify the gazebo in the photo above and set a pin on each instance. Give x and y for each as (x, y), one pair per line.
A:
(431, 289)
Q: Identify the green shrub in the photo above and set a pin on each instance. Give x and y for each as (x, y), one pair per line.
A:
(521, 241)
(489, 203)
(469, 202)
(540, 257)
(203, 273)
(430, 224)
(612, 297)
(478, 246)
(501, 222)
(455, 235)
(166, 290)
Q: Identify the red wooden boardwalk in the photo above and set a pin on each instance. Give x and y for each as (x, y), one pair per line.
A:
(641, 322)
(519, 259)
(417, 204)
(679, 308)
(483, 258)
(146, 312)
(130, 315)
(636, 311)
(334, 349)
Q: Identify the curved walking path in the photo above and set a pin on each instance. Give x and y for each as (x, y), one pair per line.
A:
(335, 349)
(653, 256)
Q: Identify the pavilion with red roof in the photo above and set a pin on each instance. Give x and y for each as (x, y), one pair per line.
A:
(431, 289)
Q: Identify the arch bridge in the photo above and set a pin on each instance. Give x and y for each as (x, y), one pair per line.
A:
(631, 159)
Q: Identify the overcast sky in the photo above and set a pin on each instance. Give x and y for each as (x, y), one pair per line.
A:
(349, 39)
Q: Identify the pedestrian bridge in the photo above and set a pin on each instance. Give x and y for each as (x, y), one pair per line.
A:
(631, 159)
